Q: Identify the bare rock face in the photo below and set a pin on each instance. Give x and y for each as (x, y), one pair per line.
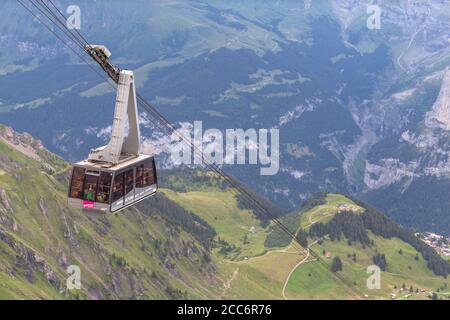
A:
(20, 138)
(38, 263)
(30, 261)
(387, 172)
(62, 259)
(3, 218)
(5, 208)
(5, 200)
(439, 116)
(68, 234)
(8, 134)
(43, 206)
(48, 168)
(22, 142)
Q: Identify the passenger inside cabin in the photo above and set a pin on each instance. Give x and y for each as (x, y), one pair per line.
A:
(89, 194)
(101, 197)
(129, 181)
(117, 188)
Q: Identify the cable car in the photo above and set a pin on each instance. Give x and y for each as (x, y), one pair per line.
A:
(115, 176)
(109, 190)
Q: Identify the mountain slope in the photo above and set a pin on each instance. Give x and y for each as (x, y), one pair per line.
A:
(131, 255)
(405, 173)
(275, 268)
(194, 240)
(357, 233)
(157, 250)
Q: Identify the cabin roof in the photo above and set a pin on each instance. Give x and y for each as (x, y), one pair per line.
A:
(108, 167)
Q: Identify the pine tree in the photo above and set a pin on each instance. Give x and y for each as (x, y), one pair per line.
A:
(336, 265)
(380, 261)
(302, 238)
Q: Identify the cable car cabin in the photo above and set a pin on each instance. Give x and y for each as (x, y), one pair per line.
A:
(115, 176)
(96, 187)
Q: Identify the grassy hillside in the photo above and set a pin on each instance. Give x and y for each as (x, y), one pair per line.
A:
(132, 255)
(162, 249)
(285, 272)
(237, 228)
(406, 267)
(195, 240)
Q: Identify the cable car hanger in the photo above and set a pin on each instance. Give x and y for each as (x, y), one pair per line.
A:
(120, 148)
(116, 175)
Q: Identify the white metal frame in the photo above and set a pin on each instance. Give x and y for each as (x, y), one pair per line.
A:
(121, 147)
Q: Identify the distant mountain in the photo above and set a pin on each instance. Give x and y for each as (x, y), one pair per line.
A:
(351, 103)
(404, 149)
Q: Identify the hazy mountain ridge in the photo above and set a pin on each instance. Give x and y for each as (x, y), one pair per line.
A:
(403, 124)
(357, 108)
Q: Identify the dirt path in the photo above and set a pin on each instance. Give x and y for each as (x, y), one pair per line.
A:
(288, 250)
(251, 259)
(292, 271)
(227, 285)
(296, 266)
(311, 222)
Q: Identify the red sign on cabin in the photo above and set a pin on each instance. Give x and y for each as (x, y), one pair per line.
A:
(88, 204)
